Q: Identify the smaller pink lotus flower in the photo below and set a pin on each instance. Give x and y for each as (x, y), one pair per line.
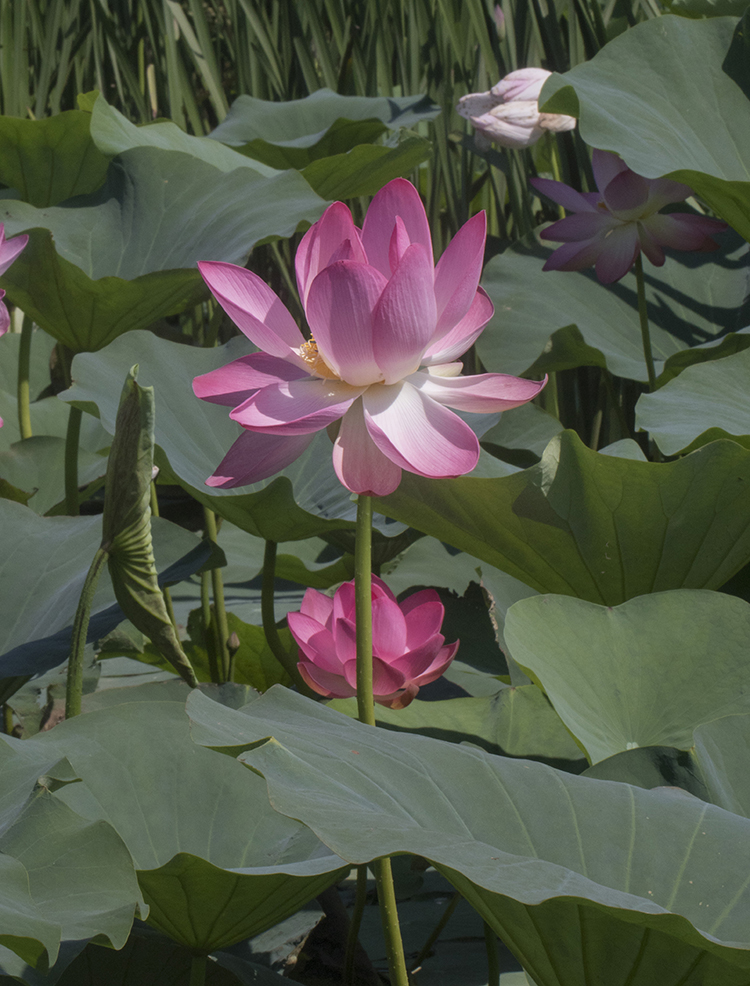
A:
(408, 648)
(9, 250)
(610, 227)
(509, 112)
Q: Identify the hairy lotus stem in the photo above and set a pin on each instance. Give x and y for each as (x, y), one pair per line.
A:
(22, 391)
(74, 687)
(366, 709)
(219, 610)
(643, 315)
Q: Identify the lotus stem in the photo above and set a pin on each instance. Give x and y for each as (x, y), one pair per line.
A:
(493, 965)
(436, 931)
(72, 438)
(22, 391)
(268, 615)
(74, 687)
(219, 608)
(363, 609)
(554, 154)
(356, 922)
(165, 589)
(366, 711)
(643, 315)
(198, 970)
(209, 638)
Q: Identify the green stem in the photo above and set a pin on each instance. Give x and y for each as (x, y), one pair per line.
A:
(165, 589)
(643, 315)
(356, 922)
(268, 615)
(74, 689)
(208, 636)
(493, 964)
(394, 947)
(436, 932)
(366, 711)
(363, 609)
(220, 612)
(554, 153)
(198, 970)
(22, 392)
(8, 721)
(72, 438)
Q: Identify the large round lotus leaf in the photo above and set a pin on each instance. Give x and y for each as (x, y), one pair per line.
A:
(596, 526)
(584, 880)
(43, 566)
(709, 397)
(555, 320)
(47, 161)
(215, 862)
(645, 673)
(670, 98)
(125, 256)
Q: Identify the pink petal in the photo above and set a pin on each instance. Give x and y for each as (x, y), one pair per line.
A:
(359, 463)
(380, 589)
(344, 603)
(388, 629)
(254, 457)
(580, 227)
(650, 246)
(440, 664)
(512, 124)
(418, 434)
(324, 683)
(684, 231)
(296, 407)
(9, 249)
(627, 195)
(323, 243)
(421, 659)
(254, 308)
(399, 243)
(400, 699)
(340, 307)
(557, 122)
(606, 166)
(523, 83)
(566, 196)
(617, 253)
(424, 614)
(345, 638)
(664, 191)
(457, 274)
(404, 318)
(398, 198)
(575, 256)
(462, 336)
(316, 643)
(317, 605)
(484, 393)
(385, 678)
(4, 316)
(231, 384)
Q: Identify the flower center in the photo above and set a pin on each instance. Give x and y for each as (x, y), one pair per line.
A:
(309, 353)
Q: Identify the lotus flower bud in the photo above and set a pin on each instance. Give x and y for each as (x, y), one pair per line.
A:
(408, 649)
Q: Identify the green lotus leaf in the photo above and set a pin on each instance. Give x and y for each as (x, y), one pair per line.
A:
(538, 852)
(557, 320)
(666, 97)
(595, 526)
(645, 673)
(48, 161)
(707, 397)
(125, 255)
(216, 864)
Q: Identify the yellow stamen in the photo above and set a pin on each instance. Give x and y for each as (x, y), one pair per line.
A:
(309, 353)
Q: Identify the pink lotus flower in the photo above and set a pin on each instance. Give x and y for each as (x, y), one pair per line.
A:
(610, 227)
(408, 648)
(509, 112)
(9, 250)
(387, 327)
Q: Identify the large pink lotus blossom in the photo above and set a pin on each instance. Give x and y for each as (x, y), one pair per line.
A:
(610, 227)
(379, 371)
(9, 250)
(408, 648)
(509, 112)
